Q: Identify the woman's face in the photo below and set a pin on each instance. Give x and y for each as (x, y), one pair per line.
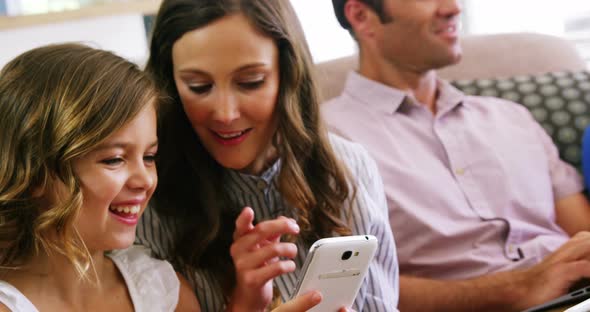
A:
(117, 179)
(227, 75)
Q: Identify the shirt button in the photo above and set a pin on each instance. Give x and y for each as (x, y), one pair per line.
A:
(261, 185)
(459, 171)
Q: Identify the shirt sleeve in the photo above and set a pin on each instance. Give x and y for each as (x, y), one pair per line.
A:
(565, 179)
(152, 283)
(13, 299)
(380, 289)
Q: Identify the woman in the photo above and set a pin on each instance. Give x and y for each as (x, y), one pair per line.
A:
(243, 129)
(77, 170)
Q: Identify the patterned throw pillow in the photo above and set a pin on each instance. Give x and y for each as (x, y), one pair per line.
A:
(559, 101)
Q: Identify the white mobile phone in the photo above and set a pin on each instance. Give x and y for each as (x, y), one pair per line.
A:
(583, 306)
(336, 267)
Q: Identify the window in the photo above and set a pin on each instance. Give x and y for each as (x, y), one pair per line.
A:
(566, 18)
(28, 7)
(569, 19)
(326, 39)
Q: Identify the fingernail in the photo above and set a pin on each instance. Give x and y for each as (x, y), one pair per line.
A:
(316, 297)
(294, 226)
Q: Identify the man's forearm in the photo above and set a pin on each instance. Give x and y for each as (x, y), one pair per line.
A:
(495, 292)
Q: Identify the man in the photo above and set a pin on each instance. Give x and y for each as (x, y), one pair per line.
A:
(481, 206)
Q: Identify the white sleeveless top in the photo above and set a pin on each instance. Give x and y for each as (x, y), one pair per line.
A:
(152, 284)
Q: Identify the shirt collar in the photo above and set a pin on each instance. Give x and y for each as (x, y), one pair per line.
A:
(449, 97)
(373, 93)
(389, 100)
(247, 183)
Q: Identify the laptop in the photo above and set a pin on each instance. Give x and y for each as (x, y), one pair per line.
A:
(573, 297)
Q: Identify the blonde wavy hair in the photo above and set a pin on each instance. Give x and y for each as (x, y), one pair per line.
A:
(57, 103)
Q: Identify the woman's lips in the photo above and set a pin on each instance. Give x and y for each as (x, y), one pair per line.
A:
(230, 138)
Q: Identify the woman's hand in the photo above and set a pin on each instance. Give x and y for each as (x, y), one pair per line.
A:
(256, 253)
(301, 303)
(304, 303)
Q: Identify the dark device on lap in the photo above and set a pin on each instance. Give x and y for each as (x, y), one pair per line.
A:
(579, 292)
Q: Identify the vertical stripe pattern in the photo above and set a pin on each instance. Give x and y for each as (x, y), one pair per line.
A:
(380, 289)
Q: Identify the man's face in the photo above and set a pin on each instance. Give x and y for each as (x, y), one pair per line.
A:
(419, 34)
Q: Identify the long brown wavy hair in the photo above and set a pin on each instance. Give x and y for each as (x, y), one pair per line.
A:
(57, 103)
(311, 178)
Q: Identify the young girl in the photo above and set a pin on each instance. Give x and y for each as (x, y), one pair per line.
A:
(77, 168)
(243, 129)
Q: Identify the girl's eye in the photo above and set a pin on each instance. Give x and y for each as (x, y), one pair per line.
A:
(251, 85)
(200, 88)
(112, 161)
(150, 158)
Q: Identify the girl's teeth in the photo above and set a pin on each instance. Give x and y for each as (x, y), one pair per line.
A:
(125, 209)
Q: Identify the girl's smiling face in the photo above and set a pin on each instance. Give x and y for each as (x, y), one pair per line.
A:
(117, 179)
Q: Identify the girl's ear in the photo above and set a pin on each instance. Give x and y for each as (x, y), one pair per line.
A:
(38, 191)
(49, 191)
(40, 185)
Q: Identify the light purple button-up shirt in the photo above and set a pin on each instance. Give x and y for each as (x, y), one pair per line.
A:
(471, 190)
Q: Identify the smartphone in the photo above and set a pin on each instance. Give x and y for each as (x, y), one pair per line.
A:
(584, 306)
(336, 267)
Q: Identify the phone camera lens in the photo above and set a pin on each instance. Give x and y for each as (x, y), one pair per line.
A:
(346, 255)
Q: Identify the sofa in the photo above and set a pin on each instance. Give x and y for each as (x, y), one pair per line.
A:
(544, 73)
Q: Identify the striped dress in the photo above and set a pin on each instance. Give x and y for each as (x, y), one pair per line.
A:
(380, 289)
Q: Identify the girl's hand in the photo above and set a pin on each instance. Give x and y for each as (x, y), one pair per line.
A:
(256, 253)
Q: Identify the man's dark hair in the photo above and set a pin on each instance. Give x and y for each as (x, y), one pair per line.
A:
(376, 5)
